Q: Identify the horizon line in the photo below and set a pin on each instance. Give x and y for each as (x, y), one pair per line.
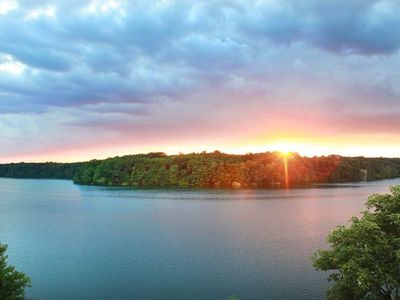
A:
(200, 152)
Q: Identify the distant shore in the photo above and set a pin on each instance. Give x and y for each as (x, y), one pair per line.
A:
(272, 170)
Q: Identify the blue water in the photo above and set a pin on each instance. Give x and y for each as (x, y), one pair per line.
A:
(80, 242)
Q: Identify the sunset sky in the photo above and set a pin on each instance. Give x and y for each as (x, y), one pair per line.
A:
(93, 79)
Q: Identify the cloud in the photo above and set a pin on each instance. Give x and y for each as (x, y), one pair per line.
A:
(140, 67)
(365, 27)
(7, 6)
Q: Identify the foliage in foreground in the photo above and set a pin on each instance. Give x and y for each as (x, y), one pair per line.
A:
(365, 256)
(12, 282)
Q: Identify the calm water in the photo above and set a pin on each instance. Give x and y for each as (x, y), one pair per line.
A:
(78, 242)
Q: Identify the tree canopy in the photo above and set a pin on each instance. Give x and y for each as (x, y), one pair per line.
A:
(214, 169)
(49, 170)
(227, 170)
(365, 256)
(12, 282)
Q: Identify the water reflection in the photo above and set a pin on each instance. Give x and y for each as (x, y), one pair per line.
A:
(172, 244)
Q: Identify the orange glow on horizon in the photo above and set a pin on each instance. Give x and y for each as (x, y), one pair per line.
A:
(369, 146)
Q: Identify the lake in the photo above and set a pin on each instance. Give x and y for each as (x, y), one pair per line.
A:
(85, 242)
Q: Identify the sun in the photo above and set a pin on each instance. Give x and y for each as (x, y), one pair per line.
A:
(285, 152)
(288, 148)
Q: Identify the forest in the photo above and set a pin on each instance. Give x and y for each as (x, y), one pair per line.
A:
(48, 170)
(214, 169)
(218, 169)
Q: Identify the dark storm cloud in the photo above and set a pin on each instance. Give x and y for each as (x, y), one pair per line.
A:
(107, 50)
(361, 26)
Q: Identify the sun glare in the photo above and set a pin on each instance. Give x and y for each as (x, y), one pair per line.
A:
(287, 148)
(284, 152)
(305, 149)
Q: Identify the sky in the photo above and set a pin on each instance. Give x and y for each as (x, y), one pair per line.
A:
(93, 79)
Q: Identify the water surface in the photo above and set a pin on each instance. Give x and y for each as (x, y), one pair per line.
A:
(82, 242)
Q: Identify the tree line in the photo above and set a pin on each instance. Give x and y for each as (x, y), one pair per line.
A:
(218, 169)
(49, 170)
(214, 169)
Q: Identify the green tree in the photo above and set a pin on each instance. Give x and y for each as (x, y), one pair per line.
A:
(12, 282)
(365, 256)
(210, 170)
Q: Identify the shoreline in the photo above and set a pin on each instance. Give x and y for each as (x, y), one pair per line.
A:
(316, 185)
